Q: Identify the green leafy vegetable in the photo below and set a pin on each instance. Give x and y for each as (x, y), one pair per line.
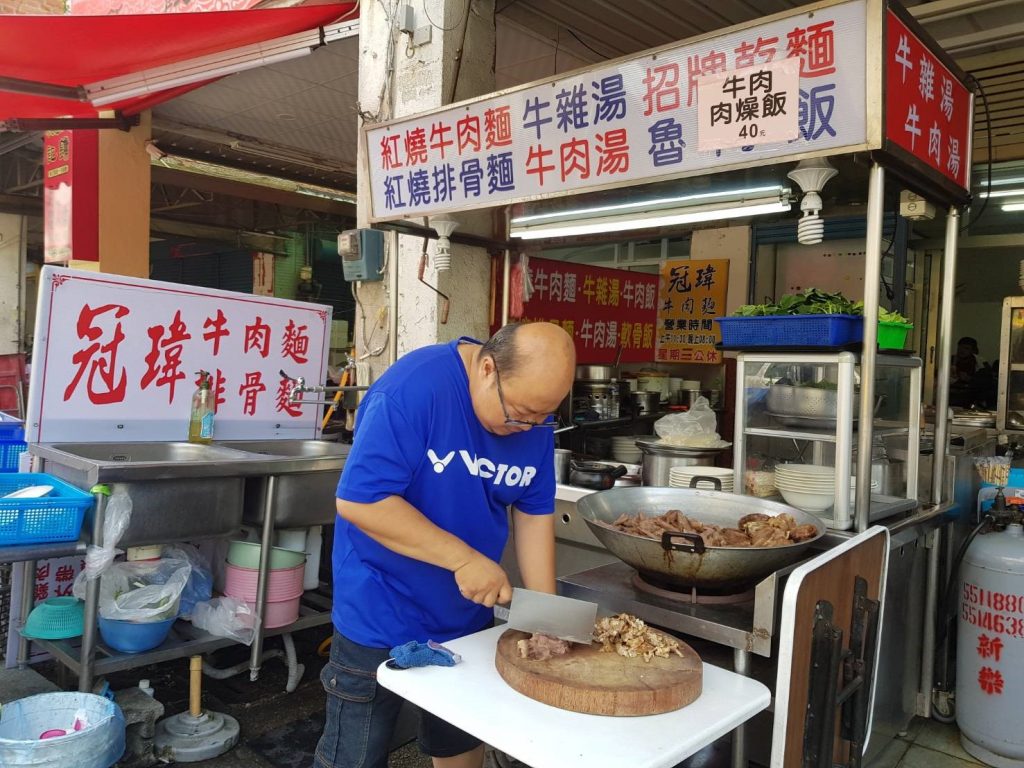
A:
(813, 302)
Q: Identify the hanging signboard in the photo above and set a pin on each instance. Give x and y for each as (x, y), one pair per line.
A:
(928, 109)
(630, 121)
(70, 196)
(602, 309)
(115, 359)
(691, 293)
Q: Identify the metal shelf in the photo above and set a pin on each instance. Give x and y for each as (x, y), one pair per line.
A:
(184, 640)
(821, 437)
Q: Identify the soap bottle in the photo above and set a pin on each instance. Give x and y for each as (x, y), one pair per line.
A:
(200, 423)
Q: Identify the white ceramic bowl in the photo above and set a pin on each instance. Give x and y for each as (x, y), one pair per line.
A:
(808, 501)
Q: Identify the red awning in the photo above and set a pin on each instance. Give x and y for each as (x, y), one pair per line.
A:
(75, 51)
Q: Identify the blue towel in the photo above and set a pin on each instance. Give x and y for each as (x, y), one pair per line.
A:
(414, 654)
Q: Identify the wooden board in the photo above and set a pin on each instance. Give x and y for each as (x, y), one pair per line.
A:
(599, 683)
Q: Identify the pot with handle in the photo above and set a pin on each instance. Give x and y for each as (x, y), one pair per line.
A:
(675, 560)
(599, 477)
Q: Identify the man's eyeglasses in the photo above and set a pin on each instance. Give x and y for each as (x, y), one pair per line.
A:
(509, 421)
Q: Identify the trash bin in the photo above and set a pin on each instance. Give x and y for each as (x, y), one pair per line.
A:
(99, 744)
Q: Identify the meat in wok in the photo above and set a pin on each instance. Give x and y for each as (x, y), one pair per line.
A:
(753, 530)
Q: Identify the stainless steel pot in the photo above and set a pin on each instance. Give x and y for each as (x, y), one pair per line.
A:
(646, 402)
(674, 560)
(594, 372)
(562, 457)
(659, 459)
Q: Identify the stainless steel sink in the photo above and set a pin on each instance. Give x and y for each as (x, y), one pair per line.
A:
(179, 491)
(305, 478)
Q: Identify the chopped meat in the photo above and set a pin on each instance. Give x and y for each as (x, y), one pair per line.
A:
(541, 647)
(630, 637)
(753, 530)
(751, 518)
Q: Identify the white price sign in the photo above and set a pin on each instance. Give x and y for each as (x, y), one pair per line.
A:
(744, 107)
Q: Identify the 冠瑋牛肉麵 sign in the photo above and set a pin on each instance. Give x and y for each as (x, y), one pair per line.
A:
(630, 121)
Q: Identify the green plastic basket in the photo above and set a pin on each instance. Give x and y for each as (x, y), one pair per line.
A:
(893, 335)
(57, 618)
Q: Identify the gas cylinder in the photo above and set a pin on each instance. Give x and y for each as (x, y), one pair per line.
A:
(990, 648)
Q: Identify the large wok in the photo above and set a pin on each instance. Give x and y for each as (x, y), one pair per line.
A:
(677, 560)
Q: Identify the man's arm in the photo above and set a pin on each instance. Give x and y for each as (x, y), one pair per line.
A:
(396, 524)
(535, 550)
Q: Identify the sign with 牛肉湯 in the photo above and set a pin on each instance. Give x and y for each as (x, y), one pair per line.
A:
(115, 359)
(755, 105)
(631, 121)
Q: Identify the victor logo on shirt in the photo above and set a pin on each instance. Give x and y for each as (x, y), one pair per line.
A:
(481, 466)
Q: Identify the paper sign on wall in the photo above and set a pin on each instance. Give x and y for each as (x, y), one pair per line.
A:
(691, 294)
(756, 105)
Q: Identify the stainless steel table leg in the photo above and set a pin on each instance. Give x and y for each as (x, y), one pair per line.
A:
(741, 666)
(28, 593)
(92, 603)
(266, 542)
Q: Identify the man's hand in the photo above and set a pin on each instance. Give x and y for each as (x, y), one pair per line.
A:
(483, 581)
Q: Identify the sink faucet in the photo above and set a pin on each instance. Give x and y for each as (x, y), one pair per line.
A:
(299, 387)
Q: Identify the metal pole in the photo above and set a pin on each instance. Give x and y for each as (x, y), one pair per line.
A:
(92, 602)
(944, 354)
(506, 291)
(931, 599)
(872, 279)
(28, 593)
(392, 301)
(266, 543)
(741, 666)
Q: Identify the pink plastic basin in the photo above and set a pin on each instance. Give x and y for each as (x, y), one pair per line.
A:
(282, 585)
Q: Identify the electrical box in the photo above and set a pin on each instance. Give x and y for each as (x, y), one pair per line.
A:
(915, 207)
(362, 254)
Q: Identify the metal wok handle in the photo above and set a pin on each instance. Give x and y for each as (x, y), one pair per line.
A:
(696, 545)
(716, 482)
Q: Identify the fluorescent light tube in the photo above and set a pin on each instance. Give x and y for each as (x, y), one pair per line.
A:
(1010, 207)
(648, 219)
(204, 68)
(1003, 193)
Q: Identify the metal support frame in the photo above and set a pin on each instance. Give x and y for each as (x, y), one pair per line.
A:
(92, 601)
(266, 543)
(121, 122)
(741, 666)
(945, 352)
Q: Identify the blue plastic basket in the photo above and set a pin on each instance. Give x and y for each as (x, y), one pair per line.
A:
(54, 517)
(791, 330)
(11, 428)
(10, 452)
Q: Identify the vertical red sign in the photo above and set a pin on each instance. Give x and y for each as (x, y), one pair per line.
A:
(927, 108)
(71, 196)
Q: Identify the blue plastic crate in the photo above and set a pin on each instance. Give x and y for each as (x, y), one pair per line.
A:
(791, 330)
(11, 428)
(54, 517)
(10, 451)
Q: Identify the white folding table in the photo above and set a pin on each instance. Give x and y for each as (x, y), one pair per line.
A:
(472, 696)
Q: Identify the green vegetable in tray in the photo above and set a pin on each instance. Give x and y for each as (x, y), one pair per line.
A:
(888, 316)
(813, 302)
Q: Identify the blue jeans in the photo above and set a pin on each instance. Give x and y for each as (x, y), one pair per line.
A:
(361, 715)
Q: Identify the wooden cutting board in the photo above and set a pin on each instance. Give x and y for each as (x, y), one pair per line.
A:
(602, 683)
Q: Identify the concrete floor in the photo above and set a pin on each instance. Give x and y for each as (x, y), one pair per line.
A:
(280, 730)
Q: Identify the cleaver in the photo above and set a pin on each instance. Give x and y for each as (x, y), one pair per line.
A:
(561, 617)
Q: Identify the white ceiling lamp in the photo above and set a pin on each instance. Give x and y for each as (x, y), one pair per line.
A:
(811, 175)
(1011, 207)
(663, 212)
(444, 226)
(198, 70)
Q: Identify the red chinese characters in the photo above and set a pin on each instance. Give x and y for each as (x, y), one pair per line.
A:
(991, 681)
(295, 343)
(250, 390)
(990, 647)
(257, 336)
(214, 330)
(284, 403)
(163, 363)
(107, 381)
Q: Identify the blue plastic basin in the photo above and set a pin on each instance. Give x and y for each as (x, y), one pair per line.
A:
(134, 637)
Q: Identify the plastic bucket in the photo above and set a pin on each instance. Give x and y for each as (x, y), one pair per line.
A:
(99, 745)
(892, 335)
(284, 584)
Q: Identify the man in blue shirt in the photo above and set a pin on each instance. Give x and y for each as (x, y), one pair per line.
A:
(446, 440)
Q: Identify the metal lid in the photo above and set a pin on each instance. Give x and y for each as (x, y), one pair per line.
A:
(653, 445)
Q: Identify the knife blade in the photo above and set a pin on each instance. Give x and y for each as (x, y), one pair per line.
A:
(561, 617)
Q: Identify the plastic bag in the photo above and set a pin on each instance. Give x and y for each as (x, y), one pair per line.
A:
(200, 581)
(142, 591)
(226, 617)
(695, 428)
(116, 517)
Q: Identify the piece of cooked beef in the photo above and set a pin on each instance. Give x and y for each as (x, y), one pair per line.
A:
(541, 647)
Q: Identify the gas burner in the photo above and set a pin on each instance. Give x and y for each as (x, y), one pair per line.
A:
(690, 596)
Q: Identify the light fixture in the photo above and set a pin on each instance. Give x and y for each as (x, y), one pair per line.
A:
(1003, 193)
(811, 175)
(444, 226)
(215, 65)
(1011, 207)
(661, 212)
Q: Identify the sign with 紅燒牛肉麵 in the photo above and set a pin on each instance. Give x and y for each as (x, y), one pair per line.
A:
(115, 359)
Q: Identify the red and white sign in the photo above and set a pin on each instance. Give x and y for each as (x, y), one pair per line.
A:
(602, 309)
(927, 108)
(70, 196)
(755, 105)
(116, 358)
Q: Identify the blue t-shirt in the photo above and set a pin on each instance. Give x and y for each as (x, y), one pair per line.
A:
(417, 437)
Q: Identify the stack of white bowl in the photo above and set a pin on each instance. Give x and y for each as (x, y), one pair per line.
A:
(680, 477)
(624, 449)
(810, 487)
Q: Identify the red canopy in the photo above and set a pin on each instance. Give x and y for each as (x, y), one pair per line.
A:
(79, 50)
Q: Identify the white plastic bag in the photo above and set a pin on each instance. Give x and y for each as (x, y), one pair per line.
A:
(695, 428)
(116, 517)
(142, 591)
(226, 617)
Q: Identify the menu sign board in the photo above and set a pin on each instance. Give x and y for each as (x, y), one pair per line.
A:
(604, 310)
(692, 293)
(631, 121)
(756, 105)
(115, 359)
